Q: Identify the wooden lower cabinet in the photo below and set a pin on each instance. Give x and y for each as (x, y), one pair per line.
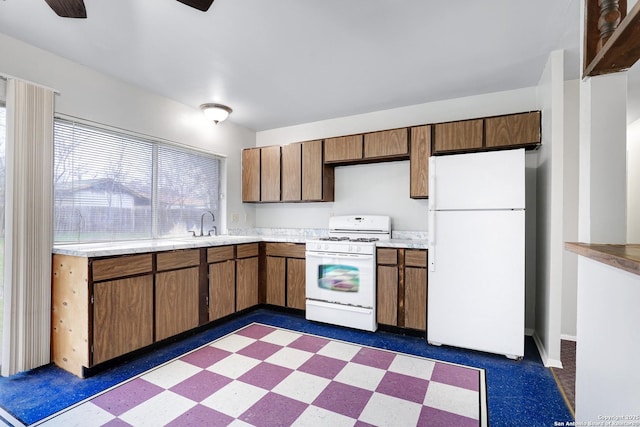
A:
(296, 295)
(285, 275)
(276, 280)
(177, 302)
(122, 317)
(222, 289)
(246, 282)
(387, 307)
(415, 298)
(402, 288)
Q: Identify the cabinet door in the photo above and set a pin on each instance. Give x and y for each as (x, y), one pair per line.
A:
(246, 283)
(317, 180)
(419, 161)
(276, 276)
(251, 175)
(513, 130)
(415, 298)
(222, 289)
(343, 149)
(388, 295)
(296, 283)
(388, 143)
(458, 136)
(177, 303)
(270, 174)
(122, 317)
(292, 173)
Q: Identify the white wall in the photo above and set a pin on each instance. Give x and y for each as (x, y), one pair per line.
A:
(633, 182)
(550, 212)
(607, 374)
(570, 207)
(378, 188)
(89, 95)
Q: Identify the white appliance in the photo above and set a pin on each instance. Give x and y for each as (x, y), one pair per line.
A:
(477, 251)
(341, 271)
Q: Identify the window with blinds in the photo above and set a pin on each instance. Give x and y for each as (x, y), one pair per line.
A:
(114, 186)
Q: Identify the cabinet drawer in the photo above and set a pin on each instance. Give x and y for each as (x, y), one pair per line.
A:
(387, 256)
(178, 259)
(415, 258)
(288, 250)
(387, 143)
(344, 148)
(111, 268)
(247, 250)
(220, 253)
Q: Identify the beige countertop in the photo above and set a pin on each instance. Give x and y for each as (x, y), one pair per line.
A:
(625, 257)
(100, 249)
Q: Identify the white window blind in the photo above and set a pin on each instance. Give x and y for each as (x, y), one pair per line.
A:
(105, 187)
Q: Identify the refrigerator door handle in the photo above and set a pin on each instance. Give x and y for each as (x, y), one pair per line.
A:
(431, 253)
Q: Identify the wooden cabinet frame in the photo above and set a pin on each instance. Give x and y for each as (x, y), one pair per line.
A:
(402, 288)
(284, 283)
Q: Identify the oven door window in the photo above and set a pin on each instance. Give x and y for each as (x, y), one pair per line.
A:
(339, 277)
(344, 279)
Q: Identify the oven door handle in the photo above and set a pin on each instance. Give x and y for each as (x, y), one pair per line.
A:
(310, 254)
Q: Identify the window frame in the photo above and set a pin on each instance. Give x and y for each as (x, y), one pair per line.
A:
(156, 143)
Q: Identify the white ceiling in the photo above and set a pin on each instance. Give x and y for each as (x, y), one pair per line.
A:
(285, 62)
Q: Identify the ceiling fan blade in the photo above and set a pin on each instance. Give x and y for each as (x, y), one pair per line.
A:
(68, 8)
(202, 5)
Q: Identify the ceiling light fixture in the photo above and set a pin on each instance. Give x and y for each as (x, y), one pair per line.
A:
(216, 112)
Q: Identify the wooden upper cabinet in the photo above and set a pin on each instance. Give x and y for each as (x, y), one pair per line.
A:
(251, 175)
(387, 143)
(343, 149)
(270, 174)
(317, 179)
(458, 136)
(513, 130)
(292, 172)
(419, 162)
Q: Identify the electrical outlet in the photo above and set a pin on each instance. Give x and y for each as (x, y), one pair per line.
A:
(234, 217)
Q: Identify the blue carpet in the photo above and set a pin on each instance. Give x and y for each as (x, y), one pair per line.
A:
(519, 392)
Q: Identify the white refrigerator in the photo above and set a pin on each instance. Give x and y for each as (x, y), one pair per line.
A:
(476, 278)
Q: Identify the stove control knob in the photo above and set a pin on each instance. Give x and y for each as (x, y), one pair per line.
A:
(358, 248)
(326, 247)
(350, 248)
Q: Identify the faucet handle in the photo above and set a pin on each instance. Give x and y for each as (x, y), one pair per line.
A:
(215, 231)
(193, 233)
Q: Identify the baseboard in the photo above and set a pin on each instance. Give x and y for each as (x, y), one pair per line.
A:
(568, 337)
(546, 360)
(528, 332)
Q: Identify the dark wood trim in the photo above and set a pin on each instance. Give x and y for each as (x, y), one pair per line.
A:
(621, 49)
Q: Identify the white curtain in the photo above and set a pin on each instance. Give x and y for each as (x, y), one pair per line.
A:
(28, 226)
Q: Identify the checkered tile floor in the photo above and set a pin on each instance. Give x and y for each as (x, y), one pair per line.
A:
(267, 376)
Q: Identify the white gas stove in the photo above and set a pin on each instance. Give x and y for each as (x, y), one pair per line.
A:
(341, 271)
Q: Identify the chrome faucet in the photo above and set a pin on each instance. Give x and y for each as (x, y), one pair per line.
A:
(213, 219)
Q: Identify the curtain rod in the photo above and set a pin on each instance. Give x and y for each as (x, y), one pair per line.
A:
(9, 76)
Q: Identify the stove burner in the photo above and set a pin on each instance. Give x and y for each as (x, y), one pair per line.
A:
(349, 239)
